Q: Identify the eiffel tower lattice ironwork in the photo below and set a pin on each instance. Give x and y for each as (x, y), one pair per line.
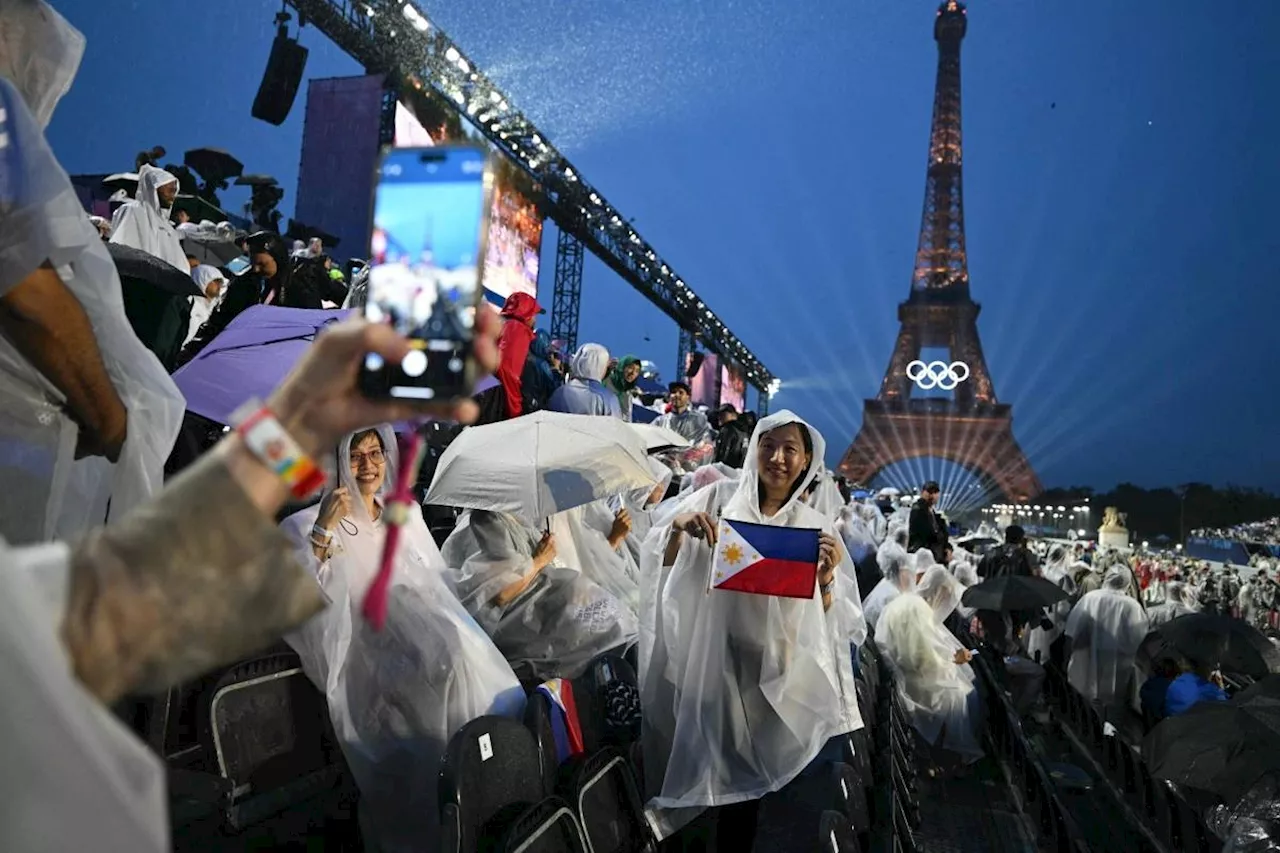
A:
(971, 427)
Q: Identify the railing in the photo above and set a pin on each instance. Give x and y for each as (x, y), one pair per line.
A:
(1154, 807)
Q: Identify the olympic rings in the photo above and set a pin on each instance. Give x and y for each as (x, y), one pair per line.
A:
(937, 374)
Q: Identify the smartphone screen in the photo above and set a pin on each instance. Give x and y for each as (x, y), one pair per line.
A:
(426, 258)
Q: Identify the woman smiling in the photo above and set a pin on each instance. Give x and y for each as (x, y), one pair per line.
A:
(741, 692)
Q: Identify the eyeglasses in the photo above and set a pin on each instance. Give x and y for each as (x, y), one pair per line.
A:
(377, 457)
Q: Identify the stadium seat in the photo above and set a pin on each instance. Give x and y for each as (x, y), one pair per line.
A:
(548, 826)
(264, 728)
(836, 834)
(604, 794)
(491, 777)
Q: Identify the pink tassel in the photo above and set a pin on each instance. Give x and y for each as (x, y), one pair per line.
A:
(399, 505)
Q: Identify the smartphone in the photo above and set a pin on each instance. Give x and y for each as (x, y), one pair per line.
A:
(426, 261)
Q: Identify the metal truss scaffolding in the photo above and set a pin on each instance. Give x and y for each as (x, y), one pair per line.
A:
(396, 37)
(564, 304)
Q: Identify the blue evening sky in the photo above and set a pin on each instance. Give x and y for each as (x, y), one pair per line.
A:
(1121, 172)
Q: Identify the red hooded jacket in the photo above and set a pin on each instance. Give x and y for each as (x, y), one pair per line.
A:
(513, 347)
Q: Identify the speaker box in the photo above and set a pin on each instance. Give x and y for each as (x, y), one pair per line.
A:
(281, 80)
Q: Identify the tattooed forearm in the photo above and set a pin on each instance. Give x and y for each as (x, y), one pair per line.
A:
(166, 594)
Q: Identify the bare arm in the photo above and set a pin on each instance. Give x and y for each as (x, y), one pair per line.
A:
(47, 324)
(164, 595)
(542, 557)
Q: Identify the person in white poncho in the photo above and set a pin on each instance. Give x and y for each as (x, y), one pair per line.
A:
(1105, 629)
(900, 572)
(211, 281)
(1179, 600)
(395, 696)
(144, 222)
(74, 378)
(741, 692)
(936, 680)
(548, 619)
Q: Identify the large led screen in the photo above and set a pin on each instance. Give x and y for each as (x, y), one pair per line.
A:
(702, 385)
(733, 386)
(515, 226)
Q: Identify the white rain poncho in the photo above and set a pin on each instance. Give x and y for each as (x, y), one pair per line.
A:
(740, 691)
(46, 493)
(584, 393)
(74, 778)
(144, 224)
(558, 624)
(826, 497)
(939, 694)
(1106, 627)
(689, 483)
(1179, 600)
(582, 543)
(202, 306)
(857, 536)
(1055, 570)
(395, 696)
(643, 507)
(899, 576)
(876, 523)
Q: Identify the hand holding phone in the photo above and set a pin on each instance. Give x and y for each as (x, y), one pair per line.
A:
(427, 249)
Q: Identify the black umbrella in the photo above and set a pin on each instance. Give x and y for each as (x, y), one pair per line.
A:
(256, 181)
(140, 266)
(1233, 644)
(213, 252)
(213, 164)
(1219, 747)
(302, 231)
(155, 300)
(1013, 592)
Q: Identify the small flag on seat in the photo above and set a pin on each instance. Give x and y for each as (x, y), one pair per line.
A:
(766, 560)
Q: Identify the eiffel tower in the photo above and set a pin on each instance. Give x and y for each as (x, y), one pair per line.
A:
(970, 428)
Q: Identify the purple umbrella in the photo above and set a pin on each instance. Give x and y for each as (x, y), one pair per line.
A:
(252, 356)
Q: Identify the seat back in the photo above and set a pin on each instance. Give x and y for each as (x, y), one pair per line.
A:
(266, 730)
(548, 826)
(605, 796)
(608, 703)
(836, 834)
(490, 775)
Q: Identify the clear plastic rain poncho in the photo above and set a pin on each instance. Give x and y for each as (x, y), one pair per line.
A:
(144, 224)
(74, 777)
(826, 497)
(395, 696)
(858, 539)
(643, 506)
(1179, 600)
(584, 393)
(899, 576)
(202, 306)
(558, 624)
(1106, 627)
(690, 483)
(1056, 571)
(740, 691)
(47, 494)
(582, 543)
(939, 693)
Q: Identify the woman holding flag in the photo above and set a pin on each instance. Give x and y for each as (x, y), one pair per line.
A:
(748, 608)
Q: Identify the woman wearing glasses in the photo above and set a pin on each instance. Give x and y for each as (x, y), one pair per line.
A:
(394, 696)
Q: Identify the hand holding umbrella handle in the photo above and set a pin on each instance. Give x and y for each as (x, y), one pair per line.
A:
(399, 505)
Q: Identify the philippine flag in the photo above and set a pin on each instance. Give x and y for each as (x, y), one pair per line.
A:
(766, 560)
